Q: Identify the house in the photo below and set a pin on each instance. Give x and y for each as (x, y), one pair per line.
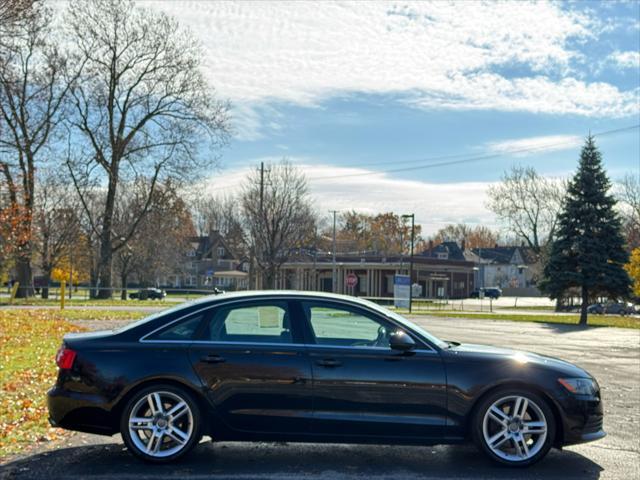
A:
(514, 269)
(209, 263)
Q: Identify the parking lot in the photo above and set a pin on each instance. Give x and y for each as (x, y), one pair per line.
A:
(610, 354)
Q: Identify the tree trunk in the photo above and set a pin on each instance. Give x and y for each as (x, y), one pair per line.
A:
(47, 281)
(106, 252)
(269, 278)
(24, 275)
(558, 304)
(584, 306)
(93, 292)
(104, 272)
(123, 281)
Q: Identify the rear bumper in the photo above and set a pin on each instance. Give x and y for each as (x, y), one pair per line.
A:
(81, 412)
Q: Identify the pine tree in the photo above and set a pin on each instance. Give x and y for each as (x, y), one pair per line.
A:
(588, 253)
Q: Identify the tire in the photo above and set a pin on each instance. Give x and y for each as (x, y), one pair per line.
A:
(517, 439)
(161, 434)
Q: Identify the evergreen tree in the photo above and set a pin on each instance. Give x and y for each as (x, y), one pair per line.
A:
(588, 253)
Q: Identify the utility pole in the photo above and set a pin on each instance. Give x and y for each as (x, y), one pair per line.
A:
(413, 217)
(334, 277)
(257, 247)
(261, 187)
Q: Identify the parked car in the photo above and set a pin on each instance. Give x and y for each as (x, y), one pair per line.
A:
(148, 293)
(596, 308)
(314, 367)
(611, 309)
(489, 292)
(619, 309)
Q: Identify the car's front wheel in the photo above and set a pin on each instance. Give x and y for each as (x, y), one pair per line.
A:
(514, 427)
(161, 423)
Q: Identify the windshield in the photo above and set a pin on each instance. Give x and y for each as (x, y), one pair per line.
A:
(408, 323)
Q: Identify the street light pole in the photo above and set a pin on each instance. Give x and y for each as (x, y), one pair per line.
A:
(413, 217)
(334, 276)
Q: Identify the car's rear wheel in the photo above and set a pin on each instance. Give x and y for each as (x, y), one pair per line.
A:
(161, 423)
(514, 427)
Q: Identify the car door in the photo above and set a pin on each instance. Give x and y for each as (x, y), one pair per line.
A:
(361, 387)
(251, 358)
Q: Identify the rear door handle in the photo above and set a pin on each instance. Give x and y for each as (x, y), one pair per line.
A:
(213, 359)
(329, 362)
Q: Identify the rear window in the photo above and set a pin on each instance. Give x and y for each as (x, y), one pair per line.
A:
(184, 330)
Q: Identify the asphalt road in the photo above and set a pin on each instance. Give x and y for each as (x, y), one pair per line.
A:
(612, 355)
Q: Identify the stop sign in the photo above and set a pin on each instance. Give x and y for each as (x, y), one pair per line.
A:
(352, 280)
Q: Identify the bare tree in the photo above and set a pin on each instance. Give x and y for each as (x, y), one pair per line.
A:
(384, 233)
(528, 204)
(56, 224)
(222, 214)
(278, 215)
(157, 246)
(32, 92)
(14, 14)
(479, 236)
(629, 198)
(142, 109)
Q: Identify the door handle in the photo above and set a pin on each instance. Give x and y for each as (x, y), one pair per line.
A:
(213, 359)
(329, 362)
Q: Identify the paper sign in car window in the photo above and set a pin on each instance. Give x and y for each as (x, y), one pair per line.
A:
(269, 317)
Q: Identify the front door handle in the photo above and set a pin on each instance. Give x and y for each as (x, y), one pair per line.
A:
(329, 362)
(212, 358)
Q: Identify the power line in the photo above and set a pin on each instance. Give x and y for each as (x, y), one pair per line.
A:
(463, 158)
(473, 158)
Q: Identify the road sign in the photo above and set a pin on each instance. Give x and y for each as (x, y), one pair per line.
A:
(401, 285)
(352, 280)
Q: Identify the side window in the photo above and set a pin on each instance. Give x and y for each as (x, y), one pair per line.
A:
(265, 323)
(334, 325)
(183, 330)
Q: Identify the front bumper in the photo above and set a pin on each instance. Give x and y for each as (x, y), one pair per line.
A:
(583, 419)
(81, 412)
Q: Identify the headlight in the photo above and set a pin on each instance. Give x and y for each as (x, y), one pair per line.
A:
(579, 386)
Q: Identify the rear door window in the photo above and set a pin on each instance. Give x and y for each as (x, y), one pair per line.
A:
(259, 323)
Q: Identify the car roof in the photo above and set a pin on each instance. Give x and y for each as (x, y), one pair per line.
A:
(249, 294)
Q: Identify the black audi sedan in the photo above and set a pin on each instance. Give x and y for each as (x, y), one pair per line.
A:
(313, 367)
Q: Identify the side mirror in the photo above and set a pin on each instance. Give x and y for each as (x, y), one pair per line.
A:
(399, 340)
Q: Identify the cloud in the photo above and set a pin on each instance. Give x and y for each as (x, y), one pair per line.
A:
(435, 204)
(519, 146)
(630, 59)
(435, 55)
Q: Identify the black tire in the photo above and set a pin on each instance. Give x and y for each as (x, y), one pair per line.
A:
(495, 396)
(134, 446)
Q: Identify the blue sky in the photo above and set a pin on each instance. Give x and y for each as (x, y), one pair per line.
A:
(354, 88)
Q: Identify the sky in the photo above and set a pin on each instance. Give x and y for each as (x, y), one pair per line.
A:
(376, 100)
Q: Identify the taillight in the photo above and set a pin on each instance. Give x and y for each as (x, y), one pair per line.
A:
(65, 358)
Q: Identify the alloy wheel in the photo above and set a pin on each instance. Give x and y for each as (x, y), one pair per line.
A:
(514, 428)
(161, 424)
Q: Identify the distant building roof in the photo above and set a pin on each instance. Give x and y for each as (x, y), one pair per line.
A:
(202, 245)
(445, 251)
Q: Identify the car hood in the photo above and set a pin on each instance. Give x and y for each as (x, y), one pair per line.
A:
(518, 356)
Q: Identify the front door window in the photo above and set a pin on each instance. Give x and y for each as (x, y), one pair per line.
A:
(342, 327)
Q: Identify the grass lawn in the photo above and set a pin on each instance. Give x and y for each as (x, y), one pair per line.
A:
(533, 307)
(593, 320)
(29, 340)
(84, 302)
(88, 314)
